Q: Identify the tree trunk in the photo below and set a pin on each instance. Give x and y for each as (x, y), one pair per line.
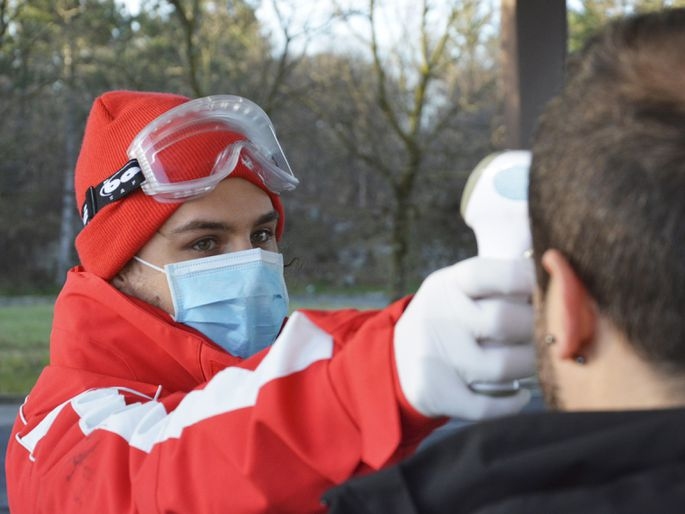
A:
(66, 235)
(401, 230)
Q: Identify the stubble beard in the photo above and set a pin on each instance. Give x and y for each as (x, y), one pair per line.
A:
(135, 286)
(546, 374)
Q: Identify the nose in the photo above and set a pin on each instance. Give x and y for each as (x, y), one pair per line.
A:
(241, 242)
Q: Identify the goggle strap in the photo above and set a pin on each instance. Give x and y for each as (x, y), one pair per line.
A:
(125, 181)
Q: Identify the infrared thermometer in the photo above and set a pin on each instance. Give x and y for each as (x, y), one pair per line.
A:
(495, 205)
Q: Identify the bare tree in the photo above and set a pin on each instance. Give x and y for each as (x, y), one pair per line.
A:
(407, 97)
(189, 20)
(8, 12)
(64, 15)
(292, 35)
(224, 48)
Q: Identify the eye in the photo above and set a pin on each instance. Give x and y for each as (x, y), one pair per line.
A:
(262, 236)
(206, 244)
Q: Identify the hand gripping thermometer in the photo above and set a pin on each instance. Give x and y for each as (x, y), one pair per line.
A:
(495, 205)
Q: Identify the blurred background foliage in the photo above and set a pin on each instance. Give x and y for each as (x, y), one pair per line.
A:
(383, 108)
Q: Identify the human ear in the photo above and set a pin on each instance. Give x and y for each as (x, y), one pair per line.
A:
(570, 311)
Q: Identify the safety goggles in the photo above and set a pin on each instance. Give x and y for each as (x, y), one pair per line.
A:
(188, 150)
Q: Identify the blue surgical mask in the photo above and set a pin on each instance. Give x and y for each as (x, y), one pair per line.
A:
(238, 300)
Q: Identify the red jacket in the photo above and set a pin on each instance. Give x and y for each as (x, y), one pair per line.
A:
(138, 414)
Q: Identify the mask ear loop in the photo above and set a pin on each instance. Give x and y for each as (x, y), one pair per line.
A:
(149, 265)
(161, 270)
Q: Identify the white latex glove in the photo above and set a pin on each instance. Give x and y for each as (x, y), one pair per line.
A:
(467, 323)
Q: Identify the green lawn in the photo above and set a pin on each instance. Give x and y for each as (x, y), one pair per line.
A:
(24, 335)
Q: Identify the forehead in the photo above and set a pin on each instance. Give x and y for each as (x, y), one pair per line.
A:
(233, 202)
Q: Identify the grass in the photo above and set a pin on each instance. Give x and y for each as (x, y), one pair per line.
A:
(25, 332)
(24, 336)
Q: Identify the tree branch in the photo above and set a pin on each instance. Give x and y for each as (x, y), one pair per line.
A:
(189, 25)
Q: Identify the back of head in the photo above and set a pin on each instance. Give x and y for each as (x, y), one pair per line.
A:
(607, 184)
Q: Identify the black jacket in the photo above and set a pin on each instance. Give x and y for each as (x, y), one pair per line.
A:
(542, 463)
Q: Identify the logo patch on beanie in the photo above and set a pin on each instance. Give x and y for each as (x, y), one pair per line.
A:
(125, 181)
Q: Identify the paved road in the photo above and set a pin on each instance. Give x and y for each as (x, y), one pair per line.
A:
(7, 415)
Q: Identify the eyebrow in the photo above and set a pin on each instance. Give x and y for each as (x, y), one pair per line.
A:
(200, 224)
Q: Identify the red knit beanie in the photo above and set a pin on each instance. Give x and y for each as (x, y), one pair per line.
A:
(122, 228)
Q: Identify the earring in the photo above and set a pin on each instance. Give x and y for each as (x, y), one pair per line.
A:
(549, 339)
(580, 359)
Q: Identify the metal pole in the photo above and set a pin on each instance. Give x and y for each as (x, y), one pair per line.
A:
(534, 41)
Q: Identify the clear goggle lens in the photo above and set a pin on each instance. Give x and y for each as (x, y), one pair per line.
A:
(188, 150)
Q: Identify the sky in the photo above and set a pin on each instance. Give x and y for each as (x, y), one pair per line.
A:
(133, 5)
(391, 18)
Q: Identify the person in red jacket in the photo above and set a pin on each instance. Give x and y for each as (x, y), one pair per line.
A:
(174, 384)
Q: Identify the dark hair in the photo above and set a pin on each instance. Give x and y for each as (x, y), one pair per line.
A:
(607, 185)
